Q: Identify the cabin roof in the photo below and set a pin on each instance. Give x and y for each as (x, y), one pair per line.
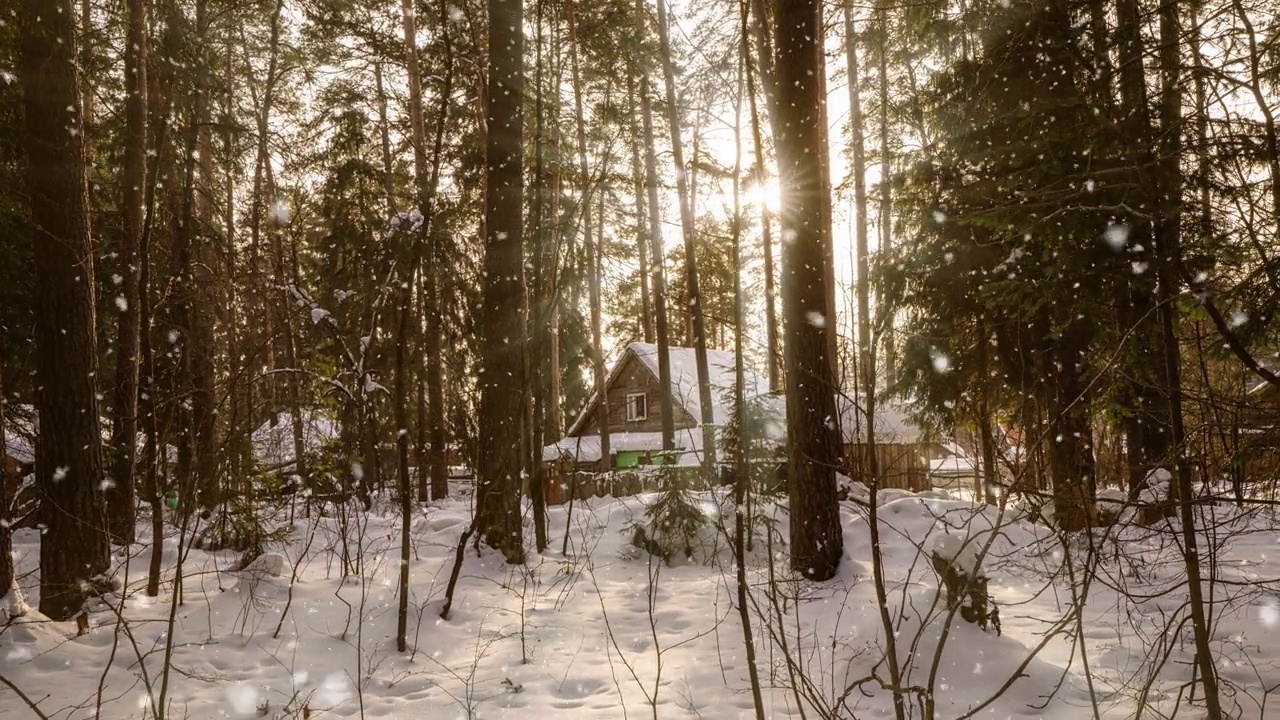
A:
(893, 423)
(684, 381)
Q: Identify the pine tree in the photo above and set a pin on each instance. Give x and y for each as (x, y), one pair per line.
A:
(501, 330)
(74, 547)
(816, 545)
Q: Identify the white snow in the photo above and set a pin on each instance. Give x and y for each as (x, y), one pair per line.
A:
(597, 631)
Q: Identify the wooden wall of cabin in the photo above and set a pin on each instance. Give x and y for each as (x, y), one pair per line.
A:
(634, 377)
(901, 466)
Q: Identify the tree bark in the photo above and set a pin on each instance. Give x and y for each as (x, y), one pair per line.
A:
(1169, 250)
(772, 350)
(690, 246)
(589, 246)
(656, 263)
(642, 230)
(816, 543)
(75, 545)
(384, 136)
(501, 336)
(7, 584)
(124, 426)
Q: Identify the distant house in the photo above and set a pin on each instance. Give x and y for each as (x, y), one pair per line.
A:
(634, 418)
(1259, 450)
(907, 455)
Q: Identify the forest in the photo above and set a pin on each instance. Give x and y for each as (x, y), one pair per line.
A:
(676, 358)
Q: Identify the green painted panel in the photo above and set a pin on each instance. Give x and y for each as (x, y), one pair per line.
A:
(627, 459)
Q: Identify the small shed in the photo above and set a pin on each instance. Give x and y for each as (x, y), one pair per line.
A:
(903, 450)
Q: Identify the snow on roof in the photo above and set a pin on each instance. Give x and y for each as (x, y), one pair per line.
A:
(893, 422)
(684, 380)
(587, 448)
(273, 446)
(955, 465)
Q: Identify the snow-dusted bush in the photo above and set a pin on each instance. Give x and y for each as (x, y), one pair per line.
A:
(956, 559)
(672, 525)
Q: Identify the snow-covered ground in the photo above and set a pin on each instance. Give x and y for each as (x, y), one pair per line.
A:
(605, 630)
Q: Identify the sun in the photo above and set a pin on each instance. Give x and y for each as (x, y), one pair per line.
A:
(768, 193)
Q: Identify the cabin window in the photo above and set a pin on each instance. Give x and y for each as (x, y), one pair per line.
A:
(637, 407)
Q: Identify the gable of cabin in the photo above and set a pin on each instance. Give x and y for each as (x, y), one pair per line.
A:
(632, 378)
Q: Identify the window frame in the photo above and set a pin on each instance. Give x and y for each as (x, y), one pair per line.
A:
(630, 407)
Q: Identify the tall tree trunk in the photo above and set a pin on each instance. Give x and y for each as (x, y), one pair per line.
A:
(1169, 250)
(435, 280)
(1144, 398)
(690, 246)
(408, 268)
(866, 349)
(764, 58)
(197, 455)
(158, 111)
(869, 464)
(8, 580)
(828, 238)
(766, 231)
(741, 470)
(642, 230)
(541, 332)
(74, 546)
(885, 222)
(589, 246)
(384, 134)
(502, 337)
(554, 416)
(986, 435)
(124, 426)
(816, 544)
(87, 90)
(656, 263)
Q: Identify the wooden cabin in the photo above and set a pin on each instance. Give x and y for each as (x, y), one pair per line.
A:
(632, 414)
(906, 454)
(1260, 434)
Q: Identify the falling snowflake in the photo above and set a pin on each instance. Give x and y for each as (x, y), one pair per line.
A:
(280, 214)
(815, 319)
(122, 303)
(941, 363)
(1269, 614)
(1117, 236)
(1139, 267)
(60, 473)
(335, 690)
(1239, 318)
(243, 699)
(939, 217)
